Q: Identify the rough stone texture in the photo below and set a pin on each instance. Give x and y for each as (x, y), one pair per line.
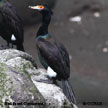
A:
(18, 70)
(17, 87)
(53, 94)
(30, 16)
(9, 55)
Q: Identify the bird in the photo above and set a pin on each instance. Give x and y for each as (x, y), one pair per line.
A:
(11, 25)
(52, 54)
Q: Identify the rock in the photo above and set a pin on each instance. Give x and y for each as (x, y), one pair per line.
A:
(22, 77)
(30, 16)
(17, 88)
(53, 94)
(9, 55)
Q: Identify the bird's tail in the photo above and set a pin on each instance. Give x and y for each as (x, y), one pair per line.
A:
(67, 89)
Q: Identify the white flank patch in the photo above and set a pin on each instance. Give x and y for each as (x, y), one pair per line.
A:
(13, 37)
(75, 19)
(74, 106)
(51, 73)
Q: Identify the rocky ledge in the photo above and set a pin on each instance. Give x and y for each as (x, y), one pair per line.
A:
(20, 85)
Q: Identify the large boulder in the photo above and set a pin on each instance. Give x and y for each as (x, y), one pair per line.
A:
(30, 16)
(21, 81)
(17, 89)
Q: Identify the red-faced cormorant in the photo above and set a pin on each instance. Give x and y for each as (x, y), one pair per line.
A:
(11, 25)
(53, 55)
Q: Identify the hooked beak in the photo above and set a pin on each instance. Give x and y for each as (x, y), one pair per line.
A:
(38, 7)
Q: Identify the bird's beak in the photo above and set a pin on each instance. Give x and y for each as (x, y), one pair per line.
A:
(38, 7)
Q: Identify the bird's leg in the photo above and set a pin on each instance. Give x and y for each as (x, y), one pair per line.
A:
(55, 82)
(52, 81)
(49, 77)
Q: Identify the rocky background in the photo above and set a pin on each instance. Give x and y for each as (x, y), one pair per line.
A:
(81, 25)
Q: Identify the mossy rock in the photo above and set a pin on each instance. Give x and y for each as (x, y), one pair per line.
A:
(20, 79)
(17, 87)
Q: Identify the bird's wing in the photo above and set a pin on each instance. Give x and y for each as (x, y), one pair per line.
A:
(64, 54)
(50, 53)
(12, 18)
(11, 12)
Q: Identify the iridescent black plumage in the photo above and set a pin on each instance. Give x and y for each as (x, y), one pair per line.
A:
(11, 24)
(53, 54)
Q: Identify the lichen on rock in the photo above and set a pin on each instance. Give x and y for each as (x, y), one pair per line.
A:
(6, 86)
(17, 87)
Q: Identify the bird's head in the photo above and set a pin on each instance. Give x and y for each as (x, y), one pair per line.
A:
(42, 8)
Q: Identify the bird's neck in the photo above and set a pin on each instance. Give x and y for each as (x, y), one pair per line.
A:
(43, 30)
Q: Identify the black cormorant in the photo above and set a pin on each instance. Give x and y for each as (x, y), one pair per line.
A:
(11, 25)
(53, 55)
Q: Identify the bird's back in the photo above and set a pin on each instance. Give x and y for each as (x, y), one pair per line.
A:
(10, 21)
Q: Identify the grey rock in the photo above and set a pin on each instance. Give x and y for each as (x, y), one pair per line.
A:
(20, 68)
(29, 15)
(53, 94)
(9, 55)
(17, 87)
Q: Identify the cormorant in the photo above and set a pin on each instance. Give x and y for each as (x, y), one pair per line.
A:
(11, 25)
(53, 55)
